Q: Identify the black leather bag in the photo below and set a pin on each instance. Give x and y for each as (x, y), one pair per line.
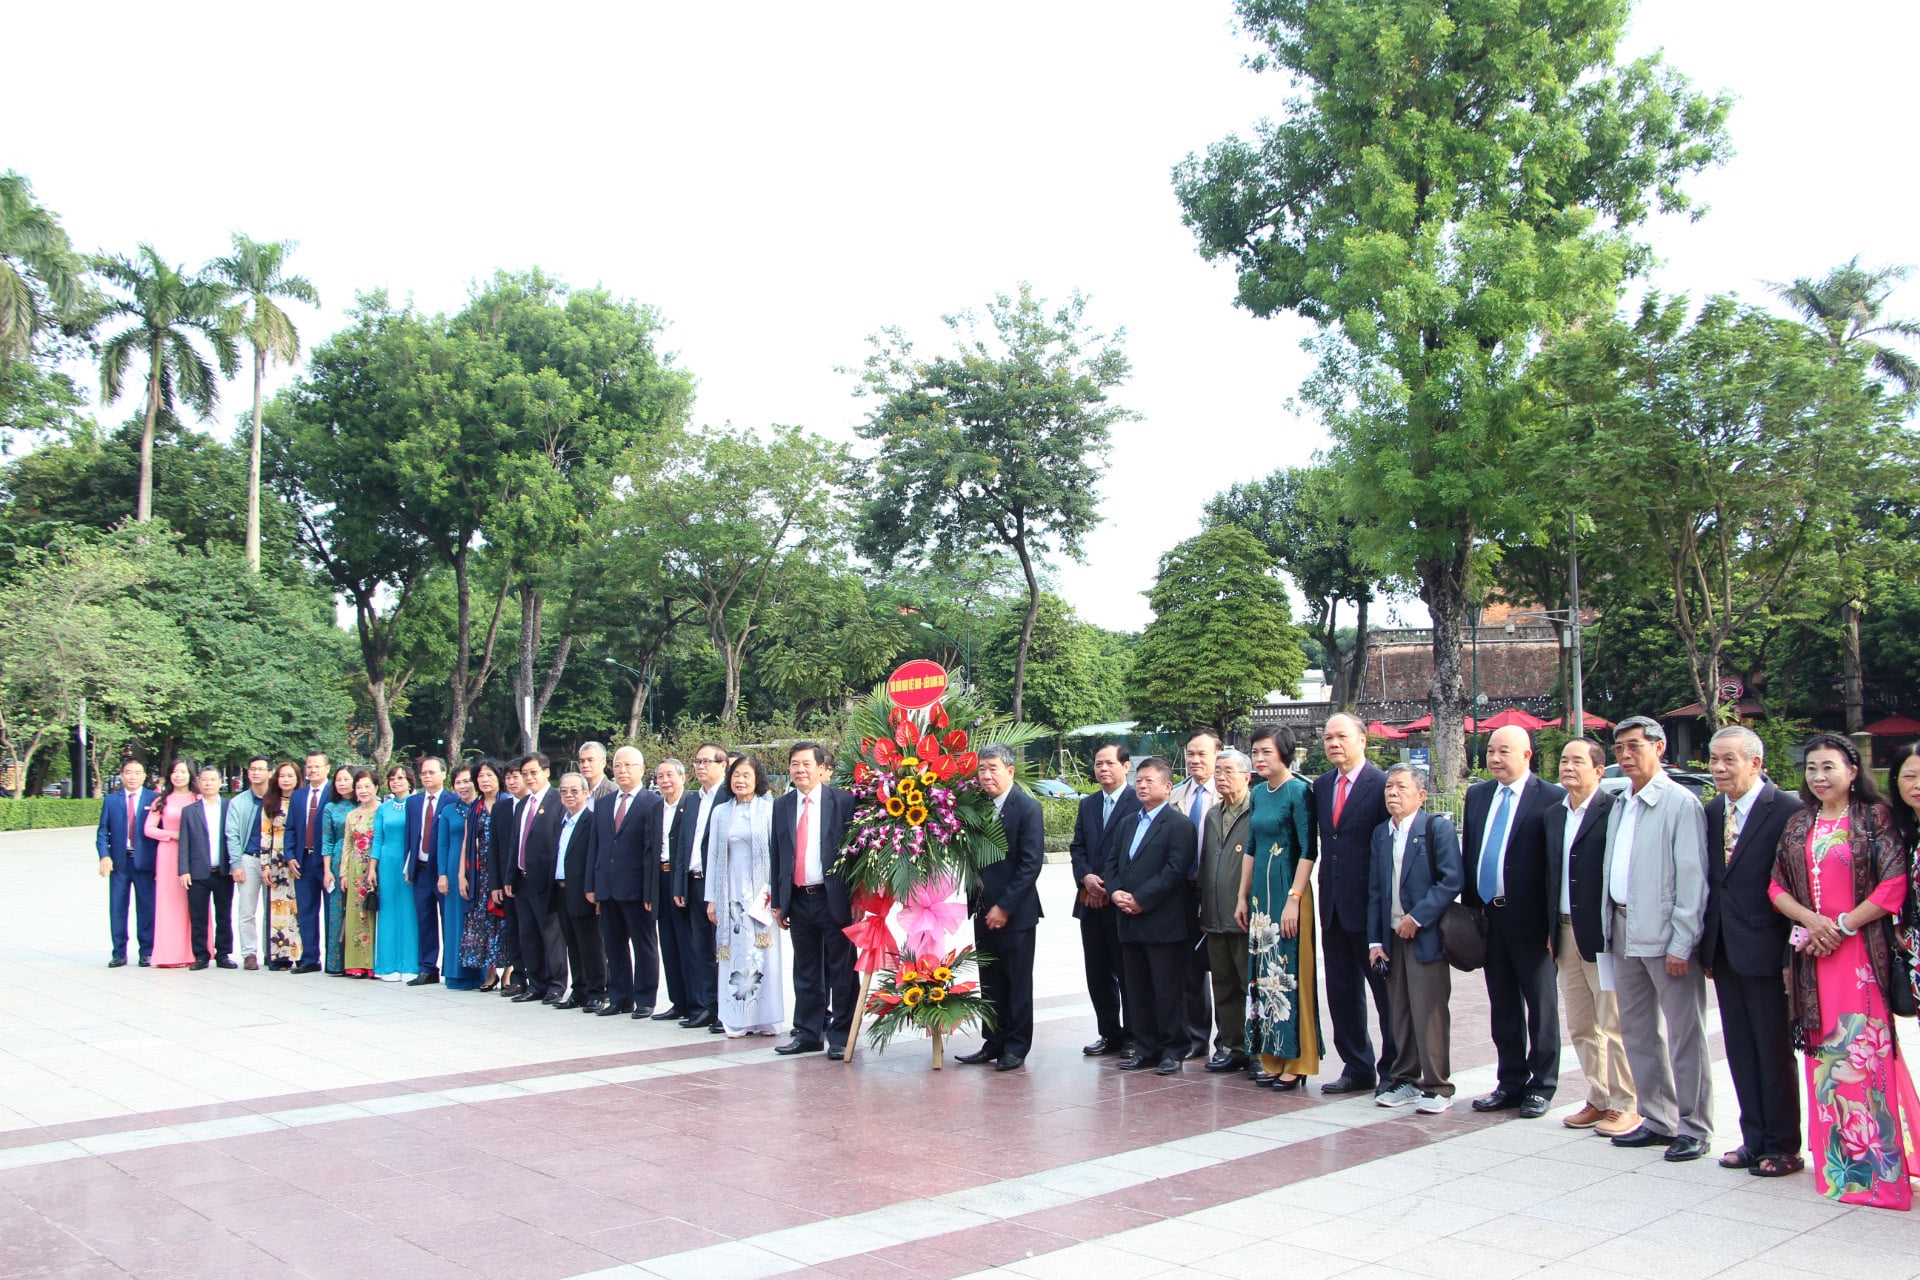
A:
(1463, 929)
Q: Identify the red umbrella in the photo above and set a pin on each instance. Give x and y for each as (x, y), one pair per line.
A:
(1424, 723)
(1378, 730)
(1895, 726)
(1513, 716)
(1592, 721)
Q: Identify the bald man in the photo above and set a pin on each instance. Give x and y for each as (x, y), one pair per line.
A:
(1349, 804)
(1511, 875)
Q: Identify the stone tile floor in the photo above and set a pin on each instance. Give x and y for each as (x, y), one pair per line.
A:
(168, 1123)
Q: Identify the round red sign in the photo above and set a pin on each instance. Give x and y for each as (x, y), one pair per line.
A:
(917, 684)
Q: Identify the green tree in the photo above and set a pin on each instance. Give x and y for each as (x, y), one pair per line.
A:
(1847, 308)
(1001, 442)
(1453, 184)
(256, 272)
(42, 280)
(831, 640)
(1296, 514)
(1070, 677)
(1222, 635)
(165, 309)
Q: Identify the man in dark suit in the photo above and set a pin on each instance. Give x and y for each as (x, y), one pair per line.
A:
(574, 909)
(502, 858)
(811, 901)
(1094, 827)
(676, 935)
(1006, 911)
(127, 855)
(206, 871)
(1416, 875)
(1349, 802)
(305, 851)
(1510, 875)
(543, 946)
(690, 885)
(1742, 945)
(1577, 838)
(422, 866)
(1146, 878)
(625, 883)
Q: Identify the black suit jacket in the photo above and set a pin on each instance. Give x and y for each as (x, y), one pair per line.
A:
(1346, 850)
(1012, 884)
(503, 851)
(543, 847)
(1586, 868)
(1739, 912)
(836, 810)
(684, 825)
(1091, 840)
(202, 853)
(580, 860)
(626, 866)
(1156, 876)
(1532, 878)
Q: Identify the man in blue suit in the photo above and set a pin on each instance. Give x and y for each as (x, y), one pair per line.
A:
(1007, 912)
(304, 850)
(127, 854)
(1093, 831)
(1349, 802)
(1415, 873)
(423, 809)
(1146, 878)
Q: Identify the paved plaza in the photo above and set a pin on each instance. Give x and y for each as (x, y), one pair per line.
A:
(260, 1125)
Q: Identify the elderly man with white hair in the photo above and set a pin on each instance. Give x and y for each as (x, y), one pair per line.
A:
(1741, 945)
(626, 886)
(1226, 875)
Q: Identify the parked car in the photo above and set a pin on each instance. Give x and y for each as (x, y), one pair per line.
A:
(1056, 789)
(1693, 780)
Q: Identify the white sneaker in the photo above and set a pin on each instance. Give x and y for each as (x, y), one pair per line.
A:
(1432, 1104)
(1398, 1096)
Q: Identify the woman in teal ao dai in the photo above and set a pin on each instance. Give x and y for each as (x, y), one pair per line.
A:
(1283, 1020)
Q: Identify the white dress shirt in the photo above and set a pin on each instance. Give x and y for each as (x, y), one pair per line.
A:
(1400, 830)
(211, 808)
(808, 803)
(1566, 849)
(1487, 848)
(707, 799)
(567, 825)
(1620, 884)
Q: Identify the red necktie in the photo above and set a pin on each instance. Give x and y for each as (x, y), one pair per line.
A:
(313, 811)
(1339, 800)
(526, 825)
(620, 812)
(132, 798)
(426, 831)
(800, 845)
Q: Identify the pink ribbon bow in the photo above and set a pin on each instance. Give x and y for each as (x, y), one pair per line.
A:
(874, 945)
(929, 919)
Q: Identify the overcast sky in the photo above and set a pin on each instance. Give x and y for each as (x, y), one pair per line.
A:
(783, 180)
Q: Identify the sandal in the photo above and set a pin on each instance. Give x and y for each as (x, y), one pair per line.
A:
(491, 984)
(1776, 1166)
(1739, 1158)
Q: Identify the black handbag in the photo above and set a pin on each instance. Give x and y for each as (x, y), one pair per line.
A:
(371, 900)
(1463, 929)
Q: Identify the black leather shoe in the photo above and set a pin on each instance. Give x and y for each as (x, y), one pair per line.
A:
(1010, 1062)
(224, 963)
(199, 964)
(512, 990)
(595, 1006)
(977, 1057)
(1134, 1062)
(1221, 1063)
(643, 1011)
(669, 1014)
(1685, 1149)
(426, 978)
(836, 1052)
(1642, 1136)
(1286, 1084)
(1170, 1066)
(716, 1028)
(698, 1018)
(797, 1045)
(568, 1003)
(118, 962)
(145, 963)
(1533, 1106)
(1499, 1100)
(611, 1010)
(314, 968)
(528, 996)
(1102, 1047)
(1347, 1084)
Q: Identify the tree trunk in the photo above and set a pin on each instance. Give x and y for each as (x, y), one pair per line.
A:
(1850, 667)
(465, 684)
(382, 724)
(1026, 628)
(143, 507)
(253, 470)
(1443, 585)
(731, 706)
(531, 604)
(637, 710)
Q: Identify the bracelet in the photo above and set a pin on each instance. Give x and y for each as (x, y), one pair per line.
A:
(1295, 894)
(1840, 923)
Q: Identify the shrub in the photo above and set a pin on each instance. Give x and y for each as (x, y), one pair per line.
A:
(37, 813)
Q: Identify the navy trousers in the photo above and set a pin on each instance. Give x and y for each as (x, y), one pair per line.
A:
(426, 909)
(126, 883)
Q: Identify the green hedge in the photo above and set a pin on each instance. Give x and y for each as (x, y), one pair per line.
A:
(1060, 818)
(37, 812)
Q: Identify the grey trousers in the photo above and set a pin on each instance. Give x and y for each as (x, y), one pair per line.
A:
(1227, 961)
(1417, 995)
(250, 908)
(1663, 1021)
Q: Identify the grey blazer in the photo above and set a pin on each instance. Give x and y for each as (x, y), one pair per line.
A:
(1667, 892)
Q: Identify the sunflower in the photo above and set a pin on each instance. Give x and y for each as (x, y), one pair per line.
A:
(911, 996)
(943, 974)
(928, 777)
(916, 814)
(936, 994)
(895, 806)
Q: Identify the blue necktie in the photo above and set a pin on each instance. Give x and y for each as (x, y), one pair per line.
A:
(1490, 850)
(1139, 834)
(1200, 832)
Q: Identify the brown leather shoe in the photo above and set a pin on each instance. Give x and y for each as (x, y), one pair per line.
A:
(1616, 1123)
(253, 962)
(1585, 1118)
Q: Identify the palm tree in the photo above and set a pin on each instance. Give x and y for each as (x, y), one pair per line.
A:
(1845, 308)
(166, 307)
(254, 271)
(42, 280)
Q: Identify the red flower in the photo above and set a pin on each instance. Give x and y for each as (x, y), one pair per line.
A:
(906, 735)
(929, 747)
(943, 767)
(963, 988)
(861, 773)
(965, 763)
(866, 746)
(938, 716)
(957, 740)
(886, 754)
